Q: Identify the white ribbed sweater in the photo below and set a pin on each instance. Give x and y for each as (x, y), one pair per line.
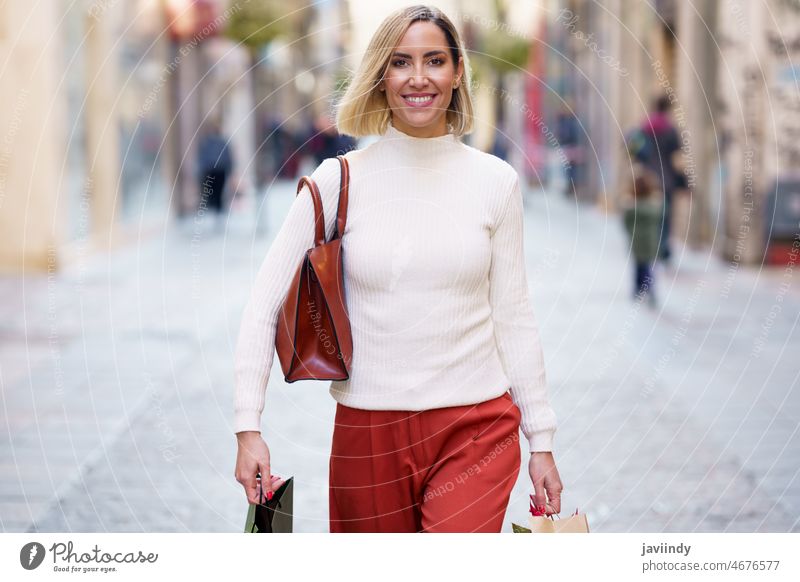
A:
(435, 285)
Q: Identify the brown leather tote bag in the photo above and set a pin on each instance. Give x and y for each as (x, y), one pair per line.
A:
(313, 337)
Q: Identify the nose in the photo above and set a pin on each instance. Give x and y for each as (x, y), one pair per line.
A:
(418, 80)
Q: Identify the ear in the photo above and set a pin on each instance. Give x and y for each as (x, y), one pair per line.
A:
(460, 69)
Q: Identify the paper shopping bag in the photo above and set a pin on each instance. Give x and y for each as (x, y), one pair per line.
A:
(540, 523)
(575, 523)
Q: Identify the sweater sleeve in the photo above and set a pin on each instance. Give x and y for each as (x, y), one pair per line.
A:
(516, 328)
(255, 347)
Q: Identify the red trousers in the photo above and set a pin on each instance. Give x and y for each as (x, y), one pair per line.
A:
(441, 470)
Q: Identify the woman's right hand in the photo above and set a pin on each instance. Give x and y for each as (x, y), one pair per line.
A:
(253, 458)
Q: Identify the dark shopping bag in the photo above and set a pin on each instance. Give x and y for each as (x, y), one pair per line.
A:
(274, 516)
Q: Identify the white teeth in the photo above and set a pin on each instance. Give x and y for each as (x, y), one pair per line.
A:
(419, 99)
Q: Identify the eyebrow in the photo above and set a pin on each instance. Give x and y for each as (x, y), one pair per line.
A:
(427, 54)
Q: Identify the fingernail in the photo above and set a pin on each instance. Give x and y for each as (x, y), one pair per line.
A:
(269, 495)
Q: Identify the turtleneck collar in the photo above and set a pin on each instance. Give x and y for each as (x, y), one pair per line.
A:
(395, 136)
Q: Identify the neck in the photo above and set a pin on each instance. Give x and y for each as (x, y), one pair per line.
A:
(438, 130)
(399, 138)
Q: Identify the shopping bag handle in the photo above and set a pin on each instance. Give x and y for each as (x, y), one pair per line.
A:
(260, 480)
(536, 513)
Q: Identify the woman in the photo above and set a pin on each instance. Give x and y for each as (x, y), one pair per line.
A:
(426, 436)
(642, 216)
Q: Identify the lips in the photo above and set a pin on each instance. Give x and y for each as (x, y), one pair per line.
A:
(419, 100)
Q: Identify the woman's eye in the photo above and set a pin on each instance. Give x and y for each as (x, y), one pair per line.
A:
(435, 61)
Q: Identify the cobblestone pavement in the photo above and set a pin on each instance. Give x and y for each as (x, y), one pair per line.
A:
(117, 376)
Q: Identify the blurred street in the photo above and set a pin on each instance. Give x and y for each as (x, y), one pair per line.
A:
(150, 150)
(117, 395)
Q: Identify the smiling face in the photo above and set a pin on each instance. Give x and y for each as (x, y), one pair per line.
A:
(420, 80)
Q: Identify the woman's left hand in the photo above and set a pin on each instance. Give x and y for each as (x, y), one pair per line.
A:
(546, 482)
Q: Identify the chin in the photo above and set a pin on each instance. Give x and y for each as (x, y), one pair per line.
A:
(419, 120)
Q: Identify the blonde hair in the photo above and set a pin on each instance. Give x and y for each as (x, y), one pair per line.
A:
(363, 108)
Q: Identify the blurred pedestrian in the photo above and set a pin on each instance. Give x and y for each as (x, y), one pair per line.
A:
(660, 142)
(500, 145)
(568, 134)
(215, 164)
(275, 142)
(325, 141)
(642, 218)
(290, 152)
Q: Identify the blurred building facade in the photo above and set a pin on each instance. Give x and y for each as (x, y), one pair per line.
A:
(758, 88)
(105, 103)
(726, 67)
(78, 163)
(128, 87)
(108, 101)
(617, 57)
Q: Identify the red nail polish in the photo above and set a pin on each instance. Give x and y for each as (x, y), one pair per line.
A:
(269, 495)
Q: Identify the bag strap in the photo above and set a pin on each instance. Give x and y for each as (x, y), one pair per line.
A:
(344, 195)
(319, 221)
(341, 214)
